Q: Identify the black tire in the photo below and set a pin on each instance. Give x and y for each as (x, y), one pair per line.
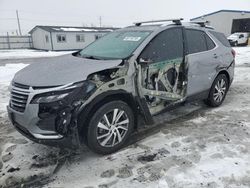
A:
(236, 43)
(211, 101)
(98, 118)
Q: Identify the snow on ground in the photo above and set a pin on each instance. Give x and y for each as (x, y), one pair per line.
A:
(28, 53)
(7, 72)
(242, 56)
(209, 147)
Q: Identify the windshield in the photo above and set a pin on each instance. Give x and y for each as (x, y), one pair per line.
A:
(115, 45)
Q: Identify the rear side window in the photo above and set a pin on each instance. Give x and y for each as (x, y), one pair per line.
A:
(221, 37)
(196, 41)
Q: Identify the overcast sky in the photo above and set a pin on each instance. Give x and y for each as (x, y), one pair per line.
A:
(116, 13)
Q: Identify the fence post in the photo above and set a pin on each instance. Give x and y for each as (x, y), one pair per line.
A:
(8, 40)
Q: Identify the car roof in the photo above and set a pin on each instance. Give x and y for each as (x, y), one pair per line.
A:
(143, 28)
(157, 27)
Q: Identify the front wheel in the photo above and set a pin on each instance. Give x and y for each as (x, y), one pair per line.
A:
(109, 127)
(218, 91)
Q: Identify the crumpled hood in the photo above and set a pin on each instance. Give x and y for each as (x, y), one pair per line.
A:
(61, 70)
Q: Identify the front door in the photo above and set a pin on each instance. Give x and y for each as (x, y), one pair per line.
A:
(161, 69)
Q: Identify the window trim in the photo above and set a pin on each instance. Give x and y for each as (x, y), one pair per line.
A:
(61, 41)
(183, 41)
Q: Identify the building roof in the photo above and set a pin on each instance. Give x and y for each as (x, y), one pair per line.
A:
(73, 29)
(216, 12)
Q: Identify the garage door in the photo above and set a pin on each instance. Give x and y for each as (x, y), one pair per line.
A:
(241, 25)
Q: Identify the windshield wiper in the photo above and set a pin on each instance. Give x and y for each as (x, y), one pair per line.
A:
(91, 57)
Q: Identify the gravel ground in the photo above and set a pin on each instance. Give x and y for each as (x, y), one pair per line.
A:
(198, 147)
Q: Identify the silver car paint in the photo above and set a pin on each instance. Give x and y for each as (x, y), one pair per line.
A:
(69, 69)
(61, 70)
(29, 118)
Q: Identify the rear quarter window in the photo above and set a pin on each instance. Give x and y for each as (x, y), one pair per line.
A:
(210, 43)
(221, 37)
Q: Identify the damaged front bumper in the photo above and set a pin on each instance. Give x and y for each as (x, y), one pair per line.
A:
(53, 123)
(30, 126)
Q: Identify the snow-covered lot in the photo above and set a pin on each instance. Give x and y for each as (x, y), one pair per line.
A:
(205, 147)
(28, 53)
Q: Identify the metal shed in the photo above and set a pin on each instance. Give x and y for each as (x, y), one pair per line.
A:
(227, 21)
(57, 38)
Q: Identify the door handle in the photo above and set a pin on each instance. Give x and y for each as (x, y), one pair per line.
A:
(215, 56)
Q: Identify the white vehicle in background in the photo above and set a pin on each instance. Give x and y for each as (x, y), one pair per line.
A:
(238, 39)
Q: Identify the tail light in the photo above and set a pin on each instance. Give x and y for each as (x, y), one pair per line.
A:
(233, 53)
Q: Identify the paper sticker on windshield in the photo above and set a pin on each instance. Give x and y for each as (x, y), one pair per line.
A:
(133, 39)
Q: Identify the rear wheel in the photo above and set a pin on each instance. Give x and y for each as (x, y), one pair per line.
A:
(218, 91)
(109, 127)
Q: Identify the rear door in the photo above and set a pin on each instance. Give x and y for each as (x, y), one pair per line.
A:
(202, 60)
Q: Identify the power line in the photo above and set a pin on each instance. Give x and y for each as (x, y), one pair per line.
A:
(7, 18)
(38, 20)
(18, 23)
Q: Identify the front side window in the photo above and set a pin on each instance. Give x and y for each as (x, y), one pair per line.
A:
(80, 38)
(115, 45)
(167, 45)
(61, 38)
(196, 41)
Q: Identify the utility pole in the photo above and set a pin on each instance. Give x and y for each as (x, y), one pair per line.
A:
(18, 22)
(8, 40)
(100, 20)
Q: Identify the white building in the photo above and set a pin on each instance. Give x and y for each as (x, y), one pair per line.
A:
(227, 21)
(65, 38)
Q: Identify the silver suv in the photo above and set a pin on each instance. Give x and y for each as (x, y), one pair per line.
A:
(95, 97)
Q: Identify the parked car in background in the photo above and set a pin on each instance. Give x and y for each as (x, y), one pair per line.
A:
(238, 39)
(96, 96)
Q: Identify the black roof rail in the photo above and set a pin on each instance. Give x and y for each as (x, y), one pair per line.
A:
(177, 21)
(201, 23)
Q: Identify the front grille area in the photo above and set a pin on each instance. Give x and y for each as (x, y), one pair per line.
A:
(19, 97)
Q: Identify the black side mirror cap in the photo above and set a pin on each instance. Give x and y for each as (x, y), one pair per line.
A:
(143, 61)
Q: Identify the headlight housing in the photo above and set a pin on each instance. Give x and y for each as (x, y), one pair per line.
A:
(54, 96)
(50, 97)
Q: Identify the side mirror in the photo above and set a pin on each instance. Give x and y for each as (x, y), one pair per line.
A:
(145, 61)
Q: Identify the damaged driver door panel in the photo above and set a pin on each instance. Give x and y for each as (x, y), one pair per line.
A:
(161, 70)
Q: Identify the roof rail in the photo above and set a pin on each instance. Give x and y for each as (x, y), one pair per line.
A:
(201, 23)
(177, 21)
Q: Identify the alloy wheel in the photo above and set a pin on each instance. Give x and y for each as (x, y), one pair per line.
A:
(220, 90)
(112, 128)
